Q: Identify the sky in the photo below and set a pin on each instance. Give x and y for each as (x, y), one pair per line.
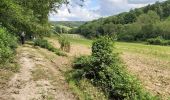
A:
(94, 9)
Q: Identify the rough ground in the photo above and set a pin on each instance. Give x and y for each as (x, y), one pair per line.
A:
(40, 77)
(153, 73)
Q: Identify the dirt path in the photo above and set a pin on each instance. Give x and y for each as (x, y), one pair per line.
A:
(39, 78)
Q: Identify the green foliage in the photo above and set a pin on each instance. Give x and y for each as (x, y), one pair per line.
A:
(71, 24)
(82, 62)
(102, 51)
(158, 41)
(136, 25)
(30, 16)
(64, 43)
(45, 44)
(61, 29)
(8, 44)
(106, 71)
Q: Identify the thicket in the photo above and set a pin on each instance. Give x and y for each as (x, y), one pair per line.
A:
(158, 41)
(58, 29)
(45, 44)
(136, 25)
(8, 43)
(65, 44)
(106, 71)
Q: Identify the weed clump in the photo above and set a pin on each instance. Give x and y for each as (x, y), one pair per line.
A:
(45, 44)
(105, 70)
(64, 43)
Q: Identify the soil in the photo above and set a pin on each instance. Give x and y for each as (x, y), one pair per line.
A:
(23, 87)
(153, 73)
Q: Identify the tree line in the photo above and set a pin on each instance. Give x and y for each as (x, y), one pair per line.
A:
(139, 24)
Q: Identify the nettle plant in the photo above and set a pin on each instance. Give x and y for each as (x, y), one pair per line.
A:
(102, 52)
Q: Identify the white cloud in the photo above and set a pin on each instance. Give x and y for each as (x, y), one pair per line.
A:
(94, 9)
(77, 13)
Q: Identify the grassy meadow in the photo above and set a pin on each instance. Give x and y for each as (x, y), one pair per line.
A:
(158, 52)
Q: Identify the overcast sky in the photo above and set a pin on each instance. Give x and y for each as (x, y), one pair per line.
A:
(94, 9)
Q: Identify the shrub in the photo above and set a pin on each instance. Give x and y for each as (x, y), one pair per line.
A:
(106, 71)
(65, 44)
(45, 44)
(8, 44)
(83, 61)
(158, 41)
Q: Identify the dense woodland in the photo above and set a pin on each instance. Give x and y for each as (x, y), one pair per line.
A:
(149, 22)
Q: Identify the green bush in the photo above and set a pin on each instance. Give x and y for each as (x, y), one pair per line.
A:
(106, 71)
(81, 62)
(8, 44)
(158, 41)
(45, 44)
(65, 44)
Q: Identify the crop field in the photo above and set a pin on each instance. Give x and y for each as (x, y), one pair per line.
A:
(149, 63)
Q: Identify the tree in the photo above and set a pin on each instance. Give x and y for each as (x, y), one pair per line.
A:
(28, 15)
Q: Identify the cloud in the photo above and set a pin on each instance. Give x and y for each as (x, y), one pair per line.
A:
(94, 9)
(77, 13)
(143, 1)
(112, 7)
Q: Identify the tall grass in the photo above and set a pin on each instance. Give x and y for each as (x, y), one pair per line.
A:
(45, 44)
(64, 44)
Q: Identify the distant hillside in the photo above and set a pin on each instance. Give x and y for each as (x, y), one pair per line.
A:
(140, 24)
(71, 24)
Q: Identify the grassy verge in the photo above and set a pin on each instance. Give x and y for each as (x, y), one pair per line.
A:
(45, 44)
(6, 71)
(83, 88)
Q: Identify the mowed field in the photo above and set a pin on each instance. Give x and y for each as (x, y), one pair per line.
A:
(149, 63)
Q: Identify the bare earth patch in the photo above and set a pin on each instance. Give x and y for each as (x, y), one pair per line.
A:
(153, 73)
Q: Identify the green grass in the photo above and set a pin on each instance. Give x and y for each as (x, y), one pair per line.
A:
(158, 52)
(76, 39)
(83, 88)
